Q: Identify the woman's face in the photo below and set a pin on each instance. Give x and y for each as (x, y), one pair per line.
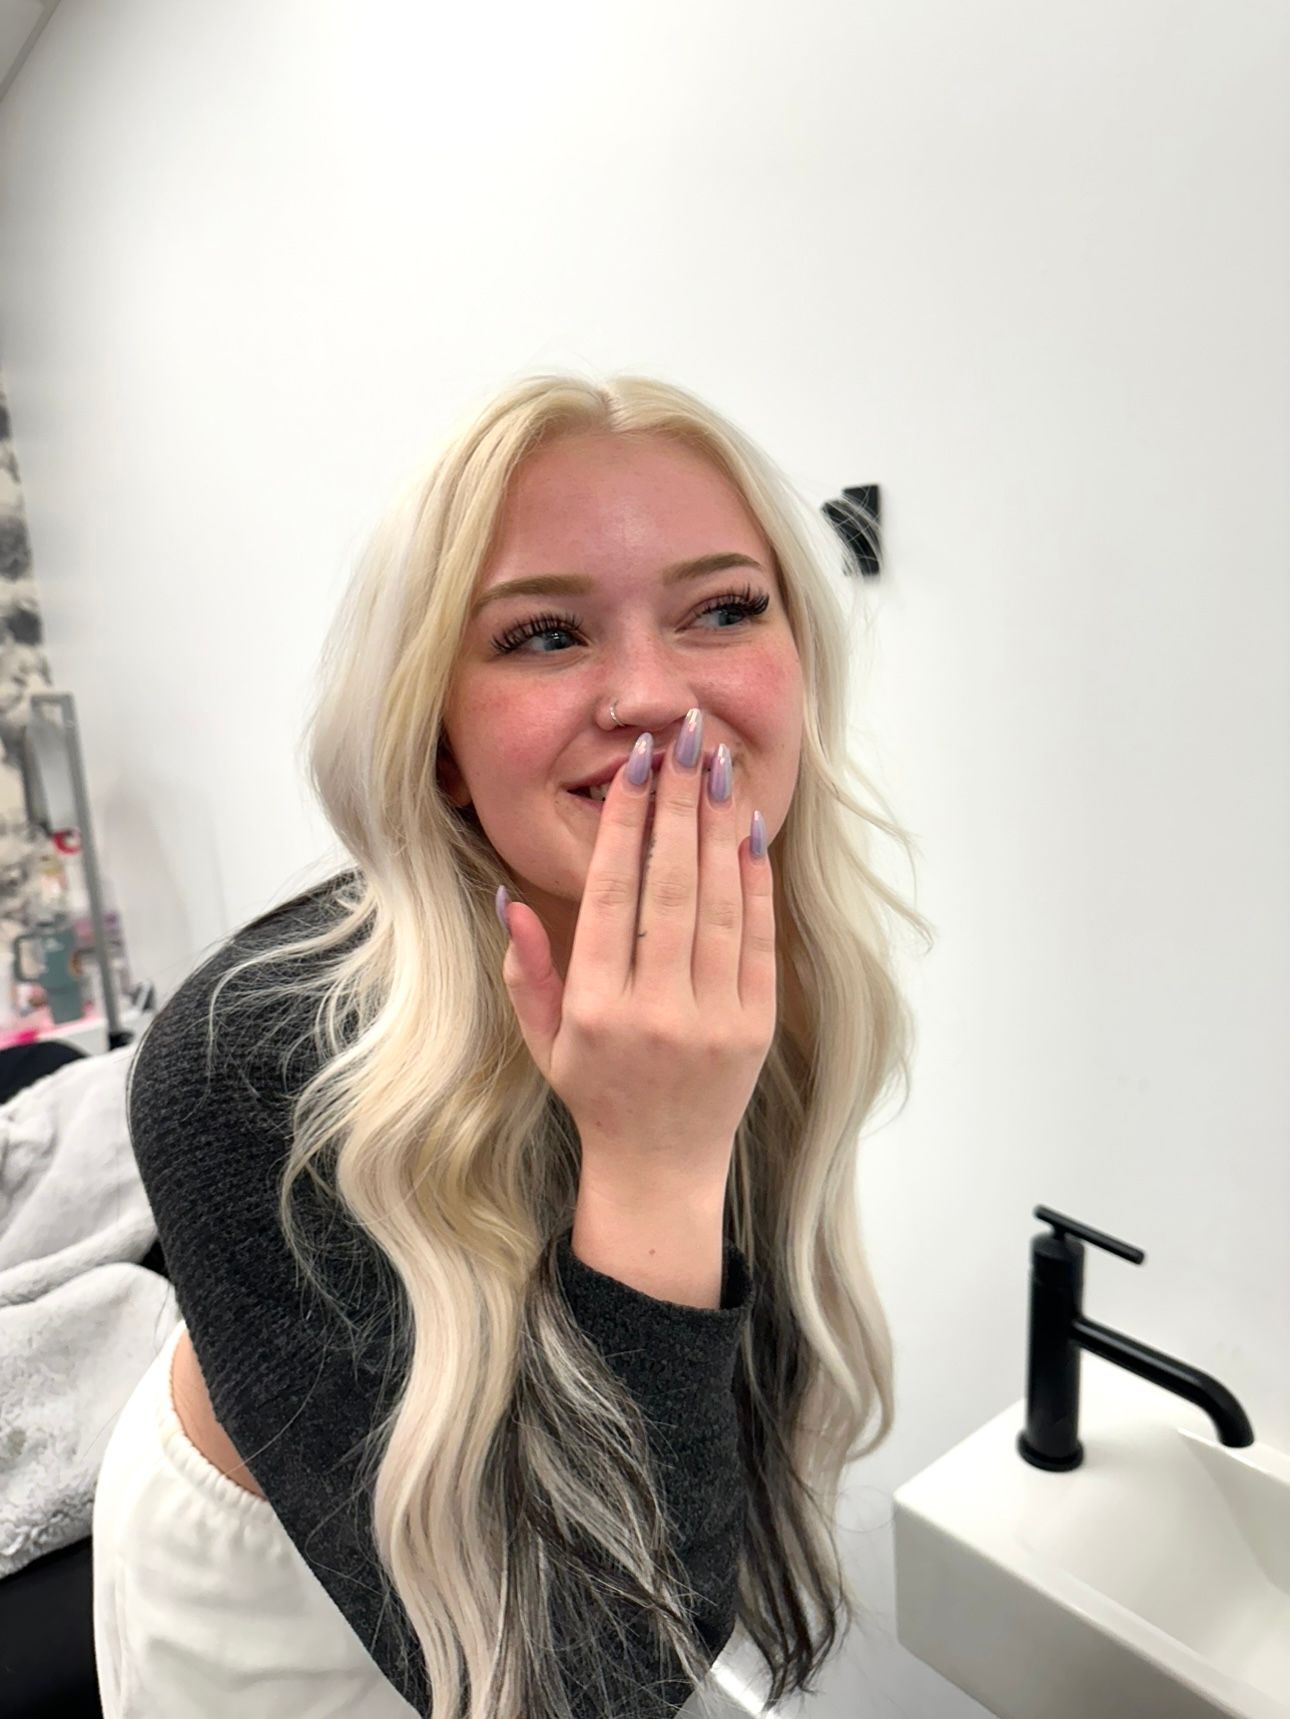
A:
(522, 724)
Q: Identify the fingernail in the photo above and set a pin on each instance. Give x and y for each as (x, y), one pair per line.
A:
(719, 777)
(689, 742)
(757, 837)
(503, 901)
(638, 765)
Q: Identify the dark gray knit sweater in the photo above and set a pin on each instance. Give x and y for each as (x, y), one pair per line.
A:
(284, 1379)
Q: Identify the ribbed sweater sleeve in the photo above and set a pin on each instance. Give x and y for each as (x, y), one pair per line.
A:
(298, 1402)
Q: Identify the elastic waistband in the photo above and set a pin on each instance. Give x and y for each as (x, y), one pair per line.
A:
(180, 1450)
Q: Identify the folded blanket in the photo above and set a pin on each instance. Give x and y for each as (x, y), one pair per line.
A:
(80, 1320)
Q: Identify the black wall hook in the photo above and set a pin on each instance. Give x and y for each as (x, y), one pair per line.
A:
(857, 518)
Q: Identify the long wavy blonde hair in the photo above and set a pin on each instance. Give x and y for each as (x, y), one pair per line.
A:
(515, 1467)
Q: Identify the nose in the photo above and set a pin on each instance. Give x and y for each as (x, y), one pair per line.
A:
(654, 704)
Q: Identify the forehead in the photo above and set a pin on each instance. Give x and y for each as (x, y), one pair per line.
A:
(585, 497)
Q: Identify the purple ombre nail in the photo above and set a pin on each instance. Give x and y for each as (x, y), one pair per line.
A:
(720, 775)
(689, 742)
(641, 762)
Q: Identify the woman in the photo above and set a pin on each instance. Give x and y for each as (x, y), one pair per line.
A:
(526, 1320)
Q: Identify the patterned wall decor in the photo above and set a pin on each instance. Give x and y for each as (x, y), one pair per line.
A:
(24, 669)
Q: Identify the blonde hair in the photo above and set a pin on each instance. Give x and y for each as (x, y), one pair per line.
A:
(514, 1469)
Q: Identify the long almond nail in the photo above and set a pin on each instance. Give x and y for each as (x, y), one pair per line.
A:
(689, 742)
(719, 776)
(641, 761)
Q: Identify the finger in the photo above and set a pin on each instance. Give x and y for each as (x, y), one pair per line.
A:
(719, 913)
(604, 938)
(536, 993)
(670, 886)
(758, 982)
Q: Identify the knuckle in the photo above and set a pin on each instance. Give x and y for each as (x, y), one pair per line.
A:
(675, 793)
(620, 810)
(657, 1033)
(724, 915)
(761, 943)
(586, 1015)
(671, 890)
(760, 1038)
(610, 890)
(720, 1049)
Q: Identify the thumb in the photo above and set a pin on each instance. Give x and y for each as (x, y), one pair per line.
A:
(536, 992)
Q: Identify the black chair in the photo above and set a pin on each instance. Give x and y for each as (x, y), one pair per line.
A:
(47, 1608)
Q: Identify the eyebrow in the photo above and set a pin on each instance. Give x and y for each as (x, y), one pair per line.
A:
(543, 584)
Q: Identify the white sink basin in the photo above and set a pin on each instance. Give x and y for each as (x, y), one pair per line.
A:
(1152, 1582)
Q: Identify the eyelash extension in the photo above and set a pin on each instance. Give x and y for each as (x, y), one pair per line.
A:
(753, 603)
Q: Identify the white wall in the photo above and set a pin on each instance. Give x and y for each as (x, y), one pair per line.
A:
(1027, 268)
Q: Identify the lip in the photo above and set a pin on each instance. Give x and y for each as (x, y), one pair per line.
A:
(595, 807)
(602, 777)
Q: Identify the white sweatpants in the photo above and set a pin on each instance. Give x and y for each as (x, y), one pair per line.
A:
(203, 1607)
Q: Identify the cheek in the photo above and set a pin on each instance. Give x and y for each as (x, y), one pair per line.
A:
(769, 707)
(505, 740)
(768, 694)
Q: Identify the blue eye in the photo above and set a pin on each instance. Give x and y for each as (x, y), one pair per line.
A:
(748, 602)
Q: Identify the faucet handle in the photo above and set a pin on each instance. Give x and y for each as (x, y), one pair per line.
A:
(1071, 1226)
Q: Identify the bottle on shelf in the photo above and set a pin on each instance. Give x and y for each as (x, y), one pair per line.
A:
(68, 845)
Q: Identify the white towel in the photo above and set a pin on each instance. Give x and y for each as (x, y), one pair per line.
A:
(79, 1319)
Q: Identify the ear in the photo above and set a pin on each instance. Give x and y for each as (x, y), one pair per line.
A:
(450, 778)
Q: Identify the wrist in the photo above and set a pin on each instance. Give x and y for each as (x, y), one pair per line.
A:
(664, 1239)
(643, 1178)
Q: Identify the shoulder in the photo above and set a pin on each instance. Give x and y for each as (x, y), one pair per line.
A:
(211, 1126)
(185, 1016)
(215, 1048)
(301, 916)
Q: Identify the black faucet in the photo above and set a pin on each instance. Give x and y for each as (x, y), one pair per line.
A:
(1059, 1330)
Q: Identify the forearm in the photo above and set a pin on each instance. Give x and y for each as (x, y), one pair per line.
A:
(665, 1240)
